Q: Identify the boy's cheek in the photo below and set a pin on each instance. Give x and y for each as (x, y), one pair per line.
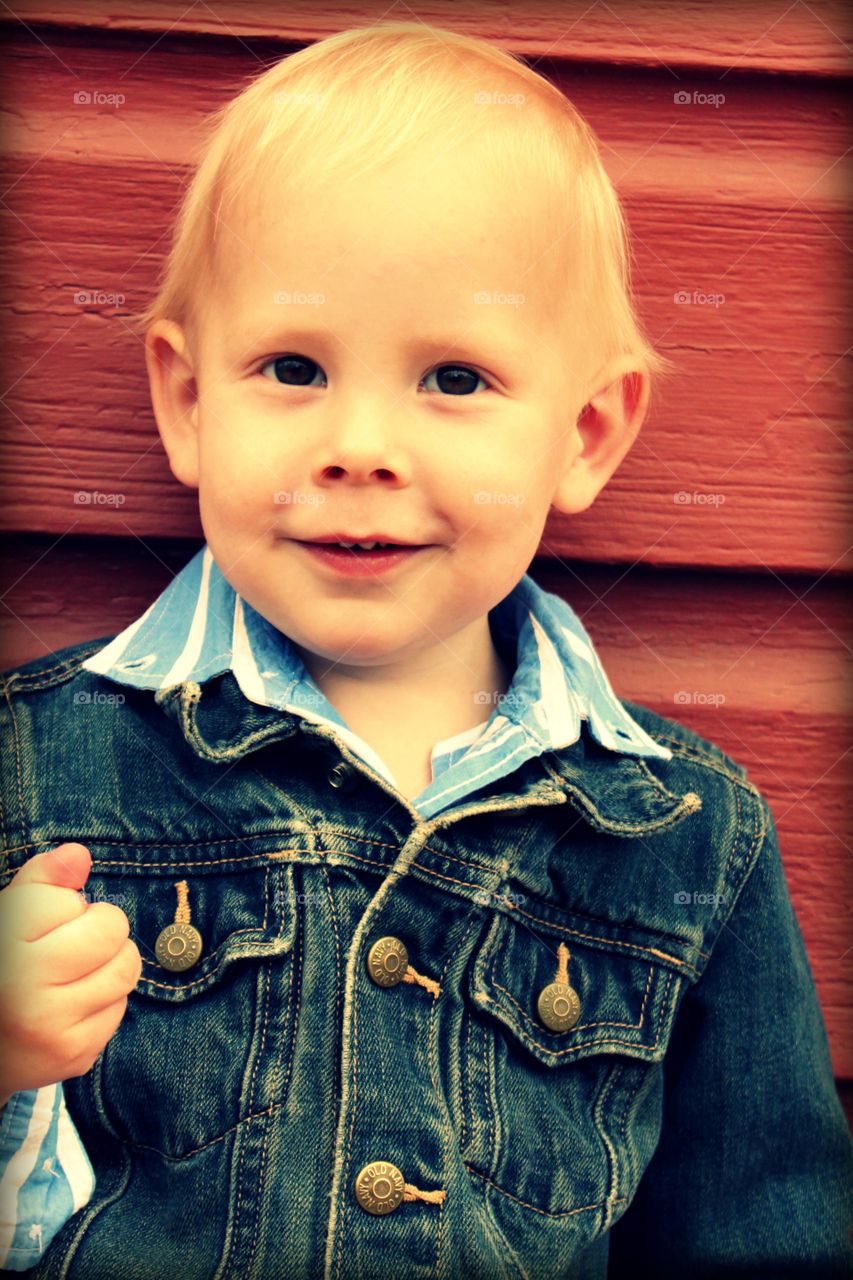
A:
(226, 501)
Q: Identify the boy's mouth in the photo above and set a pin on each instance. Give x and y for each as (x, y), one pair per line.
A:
(372, 542)
(363, 547)
(354, 560)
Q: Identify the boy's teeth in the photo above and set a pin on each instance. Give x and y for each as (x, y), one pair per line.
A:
(364, 546)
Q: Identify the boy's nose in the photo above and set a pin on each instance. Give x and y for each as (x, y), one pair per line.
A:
(364, 457)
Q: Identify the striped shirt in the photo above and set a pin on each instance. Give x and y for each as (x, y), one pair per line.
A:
(46, 1174)
(198, 628)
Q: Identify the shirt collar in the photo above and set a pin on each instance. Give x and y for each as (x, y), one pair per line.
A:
(199, 627)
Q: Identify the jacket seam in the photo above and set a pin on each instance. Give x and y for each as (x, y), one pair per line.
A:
(22, 824)
(599, 1112)
(611, 942)
(23, 683)
(698, 756)
(762, 812)
(566, 930)
(609, 1041)
(753, 857)
(580, 1026)
(566, 1213)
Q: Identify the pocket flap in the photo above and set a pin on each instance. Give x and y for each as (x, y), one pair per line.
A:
(242, 914)
(627, 996)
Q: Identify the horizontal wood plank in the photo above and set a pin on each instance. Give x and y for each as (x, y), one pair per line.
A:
(760, 665)
(730, 35)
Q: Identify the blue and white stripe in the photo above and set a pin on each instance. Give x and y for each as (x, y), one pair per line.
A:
(46, 1174)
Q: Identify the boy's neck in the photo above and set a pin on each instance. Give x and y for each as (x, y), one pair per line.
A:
(432, 696)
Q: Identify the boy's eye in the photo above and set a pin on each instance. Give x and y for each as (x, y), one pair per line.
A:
(293, 371)
(456, 379)
(300, 371)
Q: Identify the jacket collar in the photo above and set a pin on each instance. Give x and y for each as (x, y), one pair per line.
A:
(613, 792)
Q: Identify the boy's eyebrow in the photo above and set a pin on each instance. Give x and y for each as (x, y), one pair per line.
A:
(487, 345)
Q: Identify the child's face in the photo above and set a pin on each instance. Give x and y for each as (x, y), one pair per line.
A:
(376, 285)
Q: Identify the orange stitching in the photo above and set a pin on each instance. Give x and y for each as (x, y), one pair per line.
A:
(429, 984)
(430, 1197)
(18, 772)
(258, 1056)
(213, 973)
(559, 1053)
(629, 1026)
(568, 1213)
(22, 680)
(610, 942)
(447, 1128)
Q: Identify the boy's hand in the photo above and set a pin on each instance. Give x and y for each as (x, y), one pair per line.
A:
(66, 969)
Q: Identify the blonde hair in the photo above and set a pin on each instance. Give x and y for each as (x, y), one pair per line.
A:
(353, 101)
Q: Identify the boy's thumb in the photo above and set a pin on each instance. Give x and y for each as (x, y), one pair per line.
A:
(68, 865)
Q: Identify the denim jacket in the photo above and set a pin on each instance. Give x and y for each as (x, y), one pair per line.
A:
(366, 1069)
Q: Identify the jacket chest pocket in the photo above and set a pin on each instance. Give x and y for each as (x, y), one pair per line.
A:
(552, 1087)
(183, 1068)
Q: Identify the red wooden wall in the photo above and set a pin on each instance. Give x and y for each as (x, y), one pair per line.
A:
(712, 572)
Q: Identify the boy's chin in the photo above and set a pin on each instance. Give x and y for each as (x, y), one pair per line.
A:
(354, 648)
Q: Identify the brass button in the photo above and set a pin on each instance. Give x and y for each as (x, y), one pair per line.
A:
(338, 776)
(379, 1187)
(178, 947)
(558, 1006)
(387, 961)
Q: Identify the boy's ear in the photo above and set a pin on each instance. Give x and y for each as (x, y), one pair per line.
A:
(174, 397)
(607, 426)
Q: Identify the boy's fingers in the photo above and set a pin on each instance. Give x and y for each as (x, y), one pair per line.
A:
(79, 947)
(44, 893)
(67, 866)
(100, 989)
(36, 910)
(98, 1029)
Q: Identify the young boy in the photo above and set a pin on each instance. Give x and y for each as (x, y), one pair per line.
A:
(443, 959)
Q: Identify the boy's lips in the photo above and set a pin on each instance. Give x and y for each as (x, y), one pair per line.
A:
(362, 537)
(352, 562)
